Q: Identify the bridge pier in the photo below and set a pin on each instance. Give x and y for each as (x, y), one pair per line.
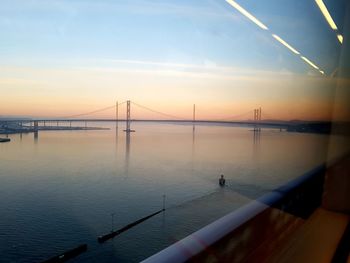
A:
(128, 121)
(36, 126)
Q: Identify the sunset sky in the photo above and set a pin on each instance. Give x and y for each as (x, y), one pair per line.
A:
(60, 58)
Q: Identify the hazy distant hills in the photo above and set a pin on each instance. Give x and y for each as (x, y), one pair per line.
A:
(10, 118)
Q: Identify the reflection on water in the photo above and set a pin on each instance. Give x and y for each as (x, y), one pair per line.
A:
(256, 137)
(193, 147)
(256, 144)
(36, 136)
(70, 182)
(127, 152)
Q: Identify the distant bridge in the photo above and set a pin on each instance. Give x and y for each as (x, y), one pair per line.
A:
(169, 118)
(274, 124)
(256, 114)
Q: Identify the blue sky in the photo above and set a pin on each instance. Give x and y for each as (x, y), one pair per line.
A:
(178, 37)
(174, 31)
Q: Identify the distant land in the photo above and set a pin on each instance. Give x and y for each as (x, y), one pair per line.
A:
(13, 124)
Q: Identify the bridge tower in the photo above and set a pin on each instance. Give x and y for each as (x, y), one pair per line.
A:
(257, 119)
(116, 114)
(194, 116)
(36, 125)
(128, 117)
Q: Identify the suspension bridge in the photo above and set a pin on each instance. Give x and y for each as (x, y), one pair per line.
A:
(254, 118)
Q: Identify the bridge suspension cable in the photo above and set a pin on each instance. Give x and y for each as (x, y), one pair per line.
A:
(267, 115)
(92, 112)
(235, 116)
(159, 112)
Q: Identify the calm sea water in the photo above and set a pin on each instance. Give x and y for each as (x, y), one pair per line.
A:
(59, 190)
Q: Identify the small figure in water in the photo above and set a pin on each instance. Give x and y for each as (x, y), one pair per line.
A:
(222, 180)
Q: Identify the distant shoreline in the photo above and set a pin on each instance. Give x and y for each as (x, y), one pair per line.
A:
(49, 128)
(318, 127)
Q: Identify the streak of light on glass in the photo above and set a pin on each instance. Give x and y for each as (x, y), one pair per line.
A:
(309, 62)
(247, 14)
(285, 44)
(326, 14)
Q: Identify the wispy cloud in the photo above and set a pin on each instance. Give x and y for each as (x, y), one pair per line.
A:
(21, 84)
(142, 7)
(207, 69)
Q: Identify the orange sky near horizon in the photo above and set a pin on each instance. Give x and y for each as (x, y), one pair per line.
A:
(217, 93)
(73, 57)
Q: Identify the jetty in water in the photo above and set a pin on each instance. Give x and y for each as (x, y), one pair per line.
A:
(29, 126)
(105, 237)
(67, 255)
